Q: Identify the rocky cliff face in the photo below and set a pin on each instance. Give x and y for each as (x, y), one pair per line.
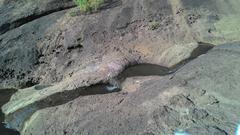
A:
(51, 52)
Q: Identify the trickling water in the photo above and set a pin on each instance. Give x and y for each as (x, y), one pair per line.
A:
(137, 70)
(5, 95)
(238, 130)
(17, 119)
(143, 70)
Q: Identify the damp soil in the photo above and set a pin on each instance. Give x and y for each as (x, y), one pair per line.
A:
(5, 95)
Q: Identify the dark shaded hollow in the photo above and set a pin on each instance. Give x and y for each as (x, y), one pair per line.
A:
(17, 23)
(16, 119)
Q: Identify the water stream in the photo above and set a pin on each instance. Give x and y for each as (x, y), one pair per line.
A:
(17, 119)
(5, 95)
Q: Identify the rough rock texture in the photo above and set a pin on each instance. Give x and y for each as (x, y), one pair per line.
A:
(201, 98)
(181, 100)
(74, 44)
(86, 49)
(62, 51)
(15, 13)
(128, 31)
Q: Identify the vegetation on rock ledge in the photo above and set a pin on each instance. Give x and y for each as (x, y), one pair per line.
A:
(89, 5)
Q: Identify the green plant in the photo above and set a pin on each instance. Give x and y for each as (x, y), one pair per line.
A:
(89, 5)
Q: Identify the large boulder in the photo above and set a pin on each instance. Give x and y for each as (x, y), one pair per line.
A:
(59, 52)
(200, 98)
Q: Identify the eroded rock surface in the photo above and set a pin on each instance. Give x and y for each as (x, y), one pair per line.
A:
(183, 101)
(15, 13)
(47, 52)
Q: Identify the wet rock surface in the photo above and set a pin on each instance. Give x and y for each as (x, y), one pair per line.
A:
(153, 104)
(5, 95)
(52, 57)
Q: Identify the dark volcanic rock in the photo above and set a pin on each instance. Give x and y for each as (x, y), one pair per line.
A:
(120, 31)
(16, 13)
(19, 52)
(163, 105)
(59, 53)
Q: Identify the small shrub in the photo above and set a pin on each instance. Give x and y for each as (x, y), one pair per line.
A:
(89, 5)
